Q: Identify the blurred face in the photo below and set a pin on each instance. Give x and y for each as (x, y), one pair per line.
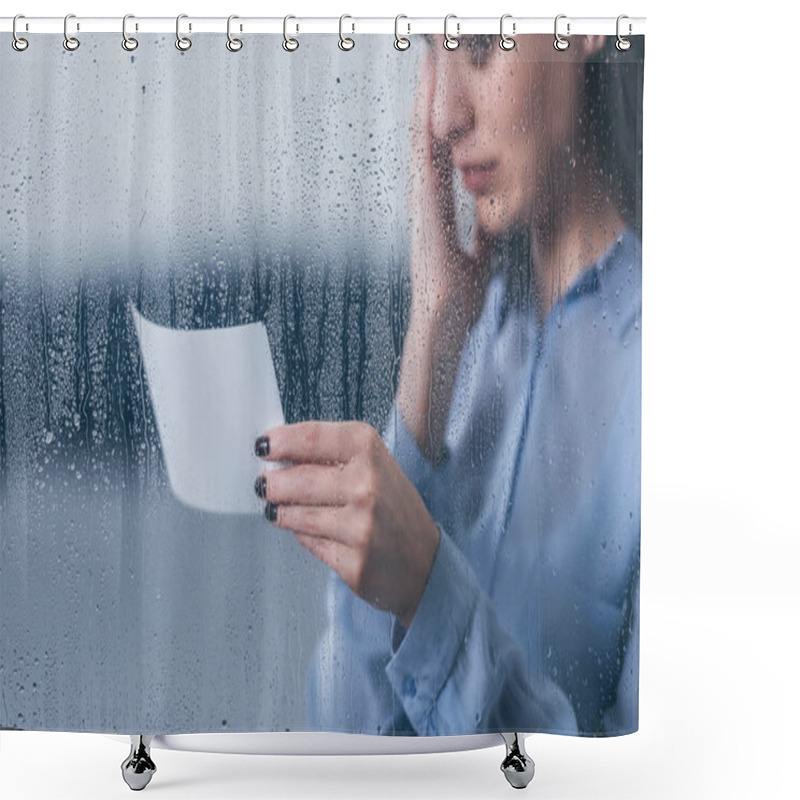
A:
(509, 118)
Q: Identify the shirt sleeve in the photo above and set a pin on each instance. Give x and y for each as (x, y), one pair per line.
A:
(417, 467)
(457, 671)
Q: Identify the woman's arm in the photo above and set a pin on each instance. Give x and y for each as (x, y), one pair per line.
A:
(428, 368)
(456, 670)
(448, 284)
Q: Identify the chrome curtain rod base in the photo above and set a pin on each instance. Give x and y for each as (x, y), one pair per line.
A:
(517, 766)
(138, 768)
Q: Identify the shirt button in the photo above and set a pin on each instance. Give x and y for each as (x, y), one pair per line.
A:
(409, 687)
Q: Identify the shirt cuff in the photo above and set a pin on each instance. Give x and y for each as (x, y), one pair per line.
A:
(403, 446)
(424, 655)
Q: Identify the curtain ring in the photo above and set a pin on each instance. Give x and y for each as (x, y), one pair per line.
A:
(451, 42)
(560, 42)
(290, 45)
(181, 42)
(233, 44)
(70, 42)
(345, 42)
(18, 43)
(622, 43)
(400, 42)
(128, 42)
(506, 42)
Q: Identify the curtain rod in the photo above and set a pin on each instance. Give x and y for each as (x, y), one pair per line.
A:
(631, 26)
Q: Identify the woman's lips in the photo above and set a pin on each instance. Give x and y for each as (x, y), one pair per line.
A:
(478, 177)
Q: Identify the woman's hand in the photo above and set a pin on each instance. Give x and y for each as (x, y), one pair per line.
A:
(442, 272)
(347, 501)
(448, 285)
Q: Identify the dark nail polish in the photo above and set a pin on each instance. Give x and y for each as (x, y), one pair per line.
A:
(261, 486)
(262, 446)
(271, 511)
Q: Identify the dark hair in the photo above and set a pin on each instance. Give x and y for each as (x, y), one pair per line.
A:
(613, 88)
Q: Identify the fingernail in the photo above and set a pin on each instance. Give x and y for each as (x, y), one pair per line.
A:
(261, 486)
(271, 512)
(262, 446)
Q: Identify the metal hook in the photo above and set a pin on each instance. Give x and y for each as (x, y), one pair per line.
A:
(401, 43)
(451, 42)
(506, 42)
(290, 45)
(181, 42)
(128, 42)
(70, 42)
(345, 43)
(18, 43)
(560, 42)
(623, 44)
(234, 45)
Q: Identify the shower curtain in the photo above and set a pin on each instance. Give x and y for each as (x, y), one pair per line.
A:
(320, 385)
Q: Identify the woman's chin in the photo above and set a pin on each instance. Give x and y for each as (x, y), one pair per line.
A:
(493, 217)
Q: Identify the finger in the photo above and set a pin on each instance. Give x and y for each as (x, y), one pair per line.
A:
(421, 174)
(442, 170)
(312, 441)
(432, 179)
(328, 522)
(306, 484)
(423, 98)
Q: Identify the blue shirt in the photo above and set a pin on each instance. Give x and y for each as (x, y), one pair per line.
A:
(529, 618)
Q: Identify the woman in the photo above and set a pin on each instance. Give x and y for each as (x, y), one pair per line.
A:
(486, 546)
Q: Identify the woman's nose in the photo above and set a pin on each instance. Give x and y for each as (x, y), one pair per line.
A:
(452, 113)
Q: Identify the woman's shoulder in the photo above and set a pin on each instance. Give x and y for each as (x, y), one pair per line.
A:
(594, 349)
(619, 285)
